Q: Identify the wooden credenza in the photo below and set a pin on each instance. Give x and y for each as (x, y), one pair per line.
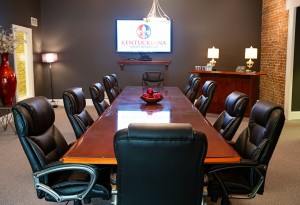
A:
(227, 82)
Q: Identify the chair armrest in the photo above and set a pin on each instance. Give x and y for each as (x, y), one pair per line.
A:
(244, 163)
(250, 164)
(232, 143)
(58, 167)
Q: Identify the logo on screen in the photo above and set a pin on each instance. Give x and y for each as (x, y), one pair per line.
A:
(143, 31)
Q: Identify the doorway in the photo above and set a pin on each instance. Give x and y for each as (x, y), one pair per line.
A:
(291, 113)
(23, 63)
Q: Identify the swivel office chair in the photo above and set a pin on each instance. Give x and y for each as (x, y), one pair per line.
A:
(188, 86)
(255, 145)
(111, 87)
(97, 95)
(230, 119)
(117, 86)
(79, 117)
(204, 101)
(191, 90)
(160, 164)
(44, 145)
(153, 78)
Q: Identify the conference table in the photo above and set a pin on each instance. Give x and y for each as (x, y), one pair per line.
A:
(95, 146)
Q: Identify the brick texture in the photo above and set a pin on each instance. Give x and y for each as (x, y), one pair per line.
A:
(273, 50)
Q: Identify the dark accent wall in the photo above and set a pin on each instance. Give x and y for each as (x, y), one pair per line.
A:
(83, 34)
(19, 12)
(296, 70)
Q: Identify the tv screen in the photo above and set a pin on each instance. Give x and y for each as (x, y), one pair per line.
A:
(140, 36)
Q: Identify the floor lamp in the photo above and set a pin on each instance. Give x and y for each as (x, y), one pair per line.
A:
(50, 58)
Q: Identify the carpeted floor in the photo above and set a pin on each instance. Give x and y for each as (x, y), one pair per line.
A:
(282, 183)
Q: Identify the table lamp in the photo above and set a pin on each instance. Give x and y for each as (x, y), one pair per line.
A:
(50, 58)
(213, 53)
(250, 53)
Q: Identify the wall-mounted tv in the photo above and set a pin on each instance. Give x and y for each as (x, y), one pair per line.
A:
(138, 36)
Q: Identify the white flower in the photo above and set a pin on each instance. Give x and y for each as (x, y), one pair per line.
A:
(7, 41)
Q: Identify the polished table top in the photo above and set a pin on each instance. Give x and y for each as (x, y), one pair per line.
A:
(96, 144)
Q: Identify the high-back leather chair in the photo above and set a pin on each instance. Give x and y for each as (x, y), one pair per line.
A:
(111, 87)
(230, 119)
(153, 78)
(44, 145)
(192, 88)
(255, 145)
(188, 85)
(79, 117)
(117, 86)
(160, 164)
(204, 101)
(97, 95)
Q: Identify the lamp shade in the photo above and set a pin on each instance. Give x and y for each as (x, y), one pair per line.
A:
(251, 53)
(49, 57)
(213, 52)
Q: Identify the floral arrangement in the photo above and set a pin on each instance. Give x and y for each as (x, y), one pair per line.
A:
(7, 41)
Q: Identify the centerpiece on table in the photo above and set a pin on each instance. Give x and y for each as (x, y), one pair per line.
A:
(8, 80)
(151, 96)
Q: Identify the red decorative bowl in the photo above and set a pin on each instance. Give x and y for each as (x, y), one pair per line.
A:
(152, 99)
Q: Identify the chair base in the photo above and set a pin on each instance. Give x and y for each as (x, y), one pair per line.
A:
(77, 202)
(114, 195)
(225, 201)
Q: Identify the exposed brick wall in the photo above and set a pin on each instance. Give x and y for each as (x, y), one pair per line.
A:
(273, 50)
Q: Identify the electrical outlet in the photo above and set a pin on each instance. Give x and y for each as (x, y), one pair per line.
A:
(34, 21)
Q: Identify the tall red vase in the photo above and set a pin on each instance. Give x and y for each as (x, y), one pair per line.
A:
(8, 82)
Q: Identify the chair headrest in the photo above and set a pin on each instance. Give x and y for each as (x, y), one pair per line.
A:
(195, 83)
(114, 76)
(110, 80)
(160, 130)
(41, 114)
(235, 103)
(208, 88)
(153, 76)
(261, 112)
(77, 99)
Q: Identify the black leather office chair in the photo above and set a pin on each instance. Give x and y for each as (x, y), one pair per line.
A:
(188, 85)
(191, 90)
(79, 117)
(208, 92)
(117, 87)
(153, 78)
(160, 164)
(111, 87)
(255, 145)
(44, 145)
(230, 119)
(97, 95)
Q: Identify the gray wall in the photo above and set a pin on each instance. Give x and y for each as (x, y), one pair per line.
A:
(296, 70)
(19, 12)
(83, 33)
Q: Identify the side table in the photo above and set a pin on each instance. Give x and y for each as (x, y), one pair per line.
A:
(6, 118)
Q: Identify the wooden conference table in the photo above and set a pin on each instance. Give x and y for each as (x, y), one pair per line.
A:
(96, 145)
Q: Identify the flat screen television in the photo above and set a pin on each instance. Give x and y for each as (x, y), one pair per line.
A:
(138, 36)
